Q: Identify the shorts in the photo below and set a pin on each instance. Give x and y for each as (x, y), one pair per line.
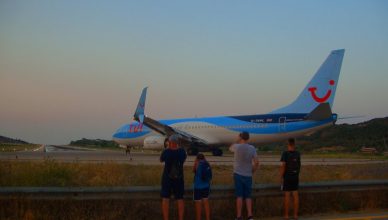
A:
(290, 183)
(243, 186)
(174, 186)
(200, 194)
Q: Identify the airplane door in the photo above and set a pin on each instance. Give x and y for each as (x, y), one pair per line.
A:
(282, 124)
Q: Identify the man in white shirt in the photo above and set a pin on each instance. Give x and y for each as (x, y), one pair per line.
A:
(245, 164)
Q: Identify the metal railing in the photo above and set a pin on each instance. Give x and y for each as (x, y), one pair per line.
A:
(153, 192)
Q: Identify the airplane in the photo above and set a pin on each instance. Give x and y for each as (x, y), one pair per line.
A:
(310, 112)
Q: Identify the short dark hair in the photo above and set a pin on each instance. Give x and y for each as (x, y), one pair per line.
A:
(291, 141)
(244, 135)
(200, 156)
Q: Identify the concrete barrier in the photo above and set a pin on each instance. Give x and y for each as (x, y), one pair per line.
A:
(152, 192)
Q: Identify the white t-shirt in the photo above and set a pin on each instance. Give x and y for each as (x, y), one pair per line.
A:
(243, 156)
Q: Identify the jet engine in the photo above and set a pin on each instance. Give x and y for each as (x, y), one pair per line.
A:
(154, 142)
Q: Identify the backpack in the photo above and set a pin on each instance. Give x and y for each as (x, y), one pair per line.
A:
(293, 163)
(175, 171)
(206, 174)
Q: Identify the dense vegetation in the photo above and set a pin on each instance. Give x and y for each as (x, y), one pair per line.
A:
(11, 140)
(11, 145)
(94, 143)
(344, 137)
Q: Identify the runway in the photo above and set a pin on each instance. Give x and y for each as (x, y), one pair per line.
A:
(366, 215)
(84, 155)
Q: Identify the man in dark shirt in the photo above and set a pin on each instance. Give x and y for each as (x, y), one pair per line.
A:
(172, 178)
(289, 177)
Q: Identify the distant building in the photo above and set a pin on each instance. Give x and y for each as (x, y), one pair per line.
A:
(368, 150)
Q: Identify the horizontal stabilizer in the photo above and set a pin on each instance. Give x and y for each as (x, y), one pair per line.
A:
(321, 112)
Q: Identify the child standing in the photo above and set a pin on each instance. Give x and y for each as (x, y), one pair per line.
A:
(202, 178)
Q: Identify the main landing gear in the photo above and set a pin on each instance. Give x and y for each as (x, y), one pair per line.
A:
(217, 152)
(193, 151)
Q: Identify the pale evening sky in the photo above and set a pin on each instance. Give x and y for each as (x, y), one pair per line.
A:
(73, 69)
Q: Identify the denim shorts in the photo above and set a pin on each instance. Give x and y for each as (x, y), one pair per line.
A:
(243, 186)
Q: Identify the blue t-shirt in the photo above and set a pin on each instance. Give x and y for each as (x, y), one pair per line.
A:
(199, 183)
(169, 157)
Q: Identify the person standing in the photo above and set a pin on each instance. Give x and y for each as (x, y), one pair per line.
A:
(246, 162)
(202, 178)
(289, 177)
(172, 177)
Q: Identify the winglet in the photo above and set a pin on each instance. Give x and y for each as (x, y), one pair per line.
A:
(139, 113)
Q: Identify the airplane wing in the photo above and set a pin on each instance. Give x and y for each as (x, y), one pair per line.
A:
(160, 127)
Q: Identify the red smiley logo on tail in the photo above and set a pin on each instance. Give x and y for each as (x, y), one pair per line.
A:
(321, 99)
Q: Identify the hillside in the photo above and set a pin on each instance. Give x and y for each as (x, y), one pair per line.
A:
(94, 143)
(345, 137)
(11, 140)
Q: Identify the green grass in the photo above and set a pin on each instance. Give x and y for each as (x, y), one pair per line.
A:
(348, 155)
(52, 173)
(9, 147)
(332, 155)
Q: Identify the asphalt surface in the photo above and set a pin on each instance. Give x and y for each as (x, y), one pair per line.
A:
(377, 215)
(77, 154)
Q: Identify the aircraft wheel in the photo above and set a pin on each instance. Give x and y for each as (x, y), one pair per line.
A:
(192, 151)
(217, 152)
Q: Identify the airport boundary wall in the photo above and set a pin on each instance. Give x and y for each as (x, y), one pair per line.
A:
(144, 202)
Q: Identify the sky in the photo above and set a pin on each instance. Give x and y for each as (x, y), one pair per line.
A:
(75, 69)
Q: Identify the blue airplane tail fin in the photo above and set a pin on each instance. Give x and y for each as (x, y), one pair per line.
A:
(321, 88)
